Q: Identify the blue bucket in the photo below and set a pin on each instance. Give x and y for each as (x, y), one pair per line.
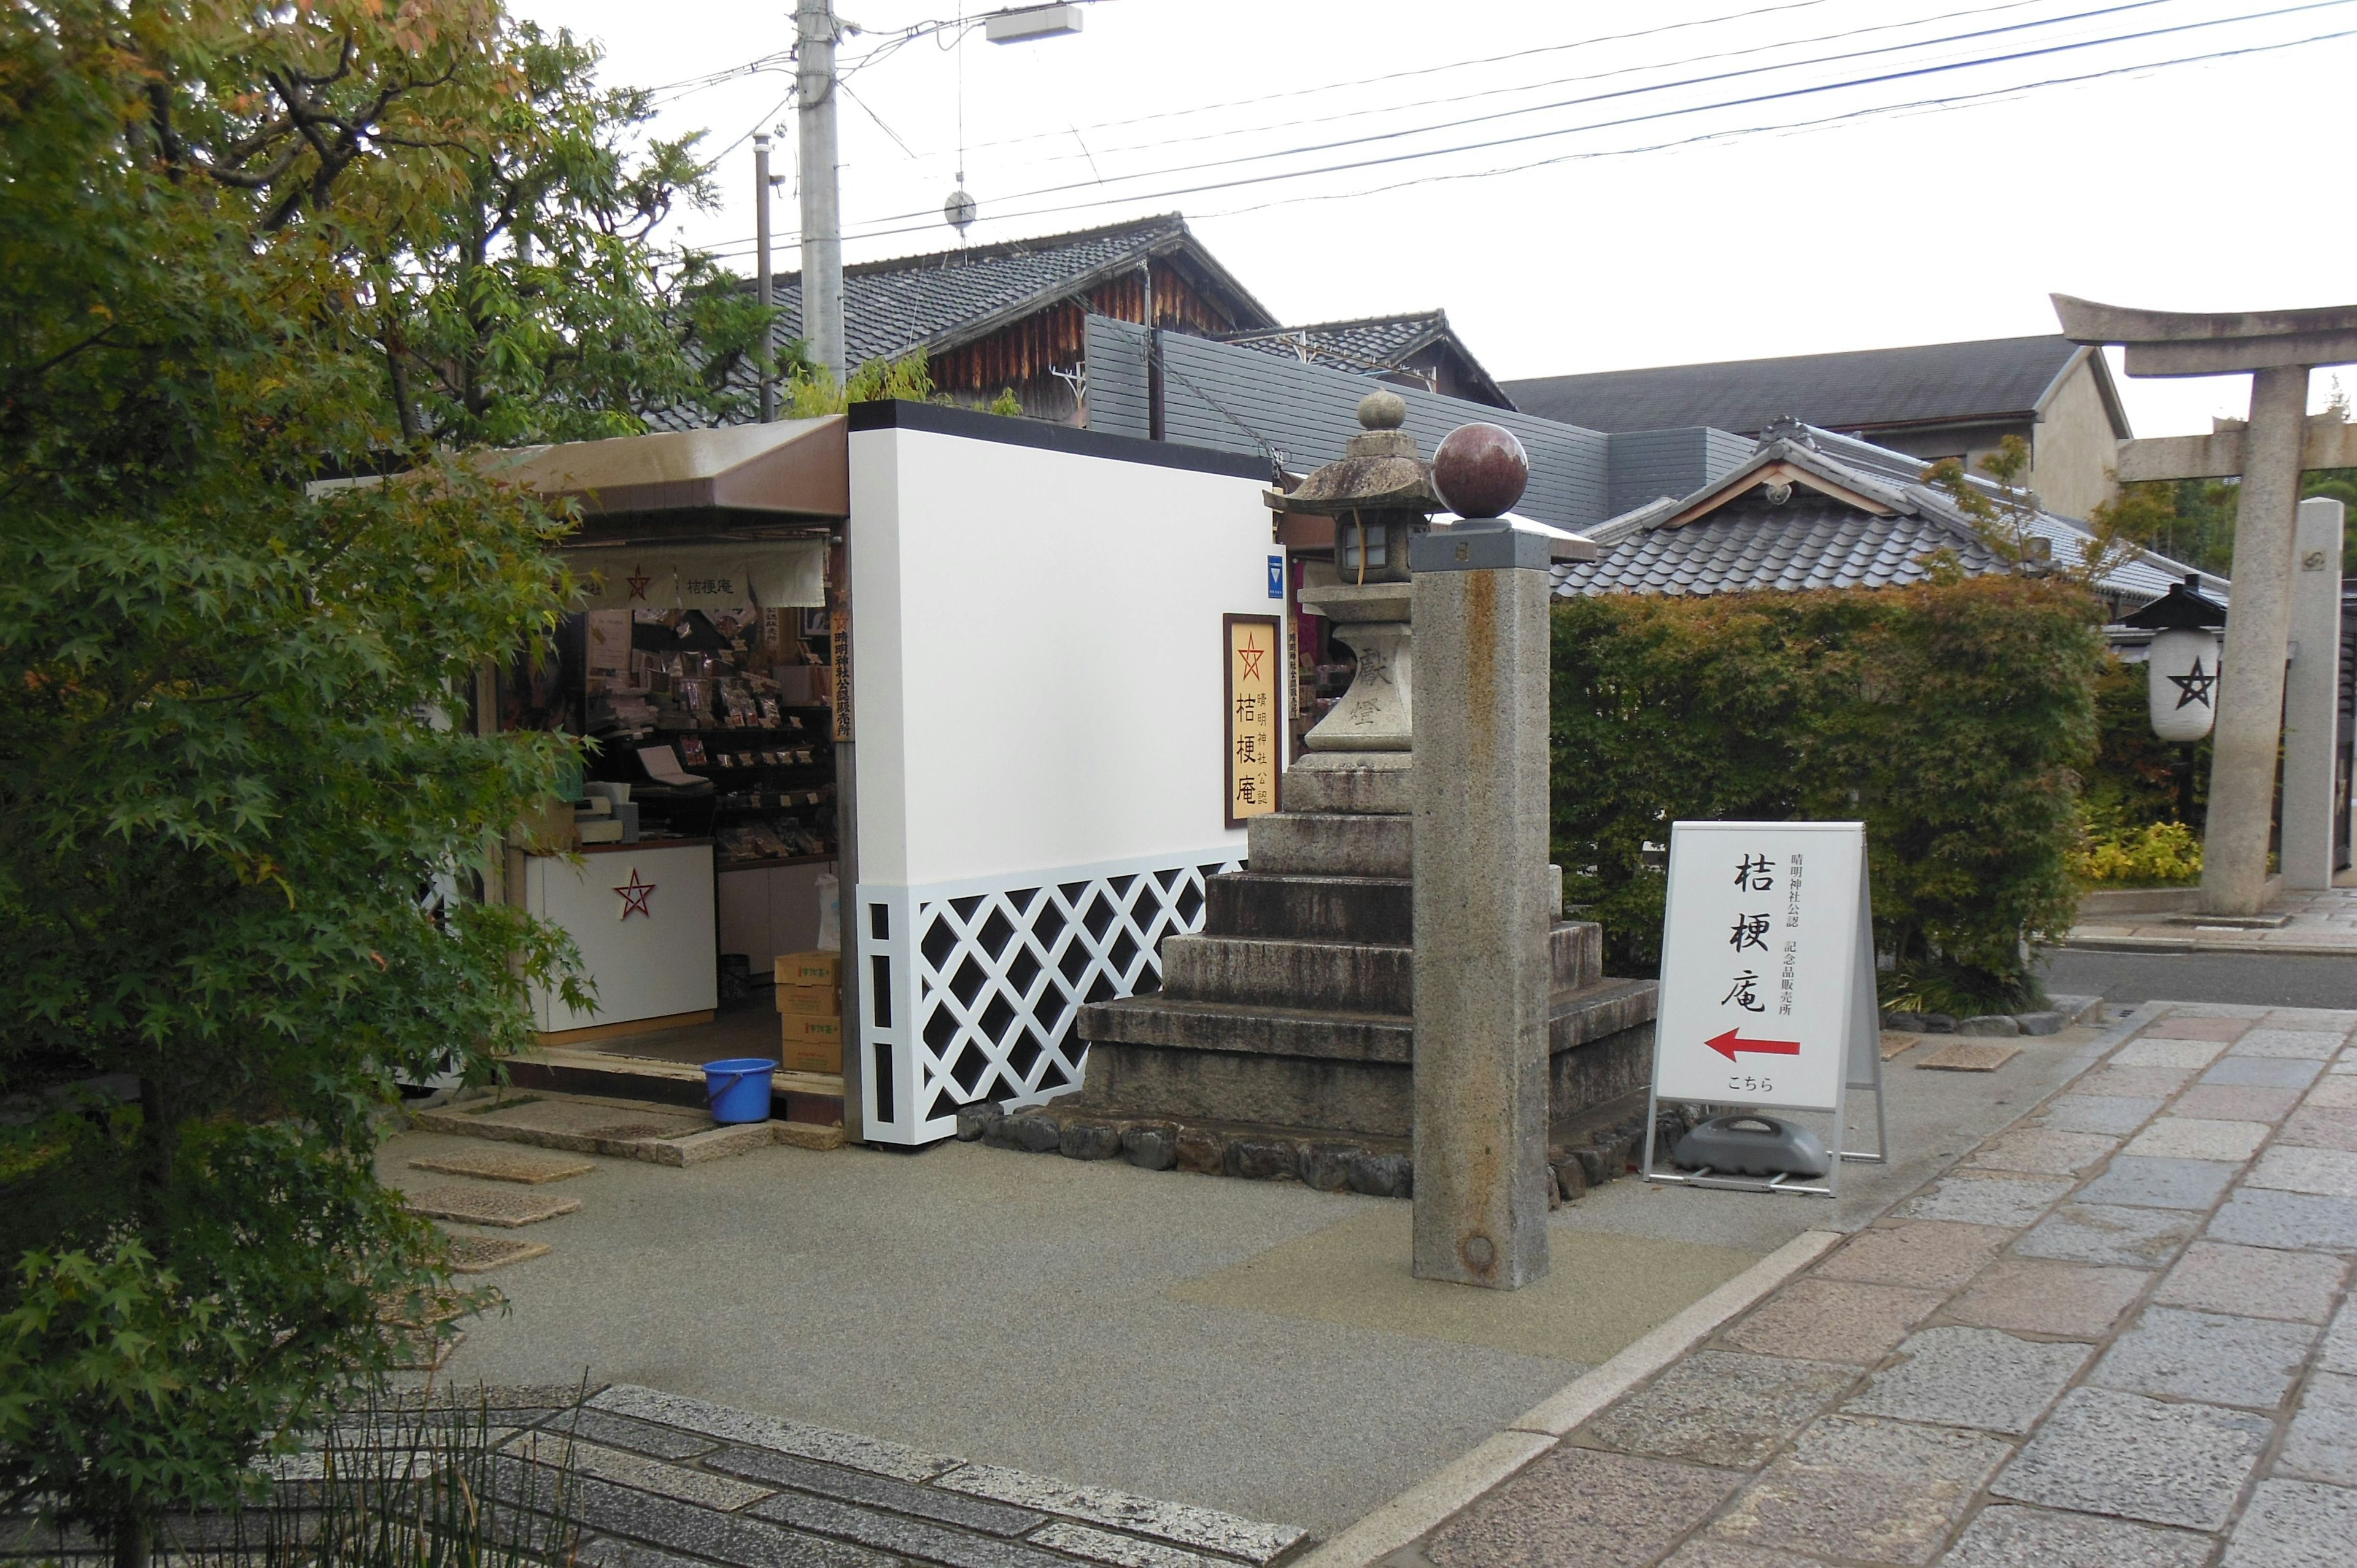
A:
(738, 1089)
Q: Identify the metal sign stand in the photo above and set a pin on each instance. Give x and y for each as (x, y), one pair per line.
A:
(1861, 1032)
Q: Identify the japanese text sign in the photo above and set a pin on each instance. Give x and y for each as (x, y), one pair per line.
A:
(1254, 716)
(1763, 939)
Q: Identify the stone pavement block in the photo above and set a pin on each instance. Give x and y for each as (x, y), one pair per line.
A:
(2012, 1537)
(2328, 1172)
(1933, 1255)
(2319, 1127)
(2267, 1072)
(2177, 1026)
(2339, 1352)
(2110, 1233)
(2041, 1150)
(2083, 1112)
(768, 1432)
(875, 1491)
(732, 1538)
(2262, 1217)
(2294, 1524)
(2338, 1092)
(503, 1162)
(1575, 1508)
(1704, 1552)
(1972, 1376)
(2254, 1282)
(639, 1437)
(641, 1474)
(2150, 1052)
(487, 1205)
(1832, 1320)
(1718, 1407)
(904, 1538)
(2147, 1183)
(1179, 1523)
(1969, 1055)
(2302, 1045)
(2037, 1297)
(2323, 1443)
(1853, 1487)
(2338, 1021)
(2110, 1453)
(2137, 1082)
(1093, 1546)
(607, 1551)
(2207, 1356)
(481, 1254)
(1987, 1200)
(2236, 1103)
(2189, 1138)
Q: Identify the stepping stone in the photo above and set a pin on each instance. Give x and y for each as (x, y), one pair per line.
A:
(481, 1254)
(489, 1206)
(503, 1163)
(1970, 1056)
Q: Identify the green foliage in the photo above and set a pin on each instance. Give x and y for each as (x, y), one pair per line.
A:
(1953, 719)
(2133, 780)
(811, 391)
(2192, 520)
(236, 813)
(2156, 854)
(2004, 513)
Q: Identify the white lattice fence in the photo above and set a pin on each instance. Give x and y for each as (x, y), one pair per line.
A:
(974, 988)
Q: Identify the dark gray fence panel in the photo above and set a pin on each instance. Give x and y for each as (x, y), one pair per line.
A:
(1117, 377)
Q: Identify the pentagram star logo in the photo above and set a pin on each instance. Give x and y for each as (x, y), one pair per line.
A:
(637, 585)
(1251, 657)
(635, 895)
(2193, 686)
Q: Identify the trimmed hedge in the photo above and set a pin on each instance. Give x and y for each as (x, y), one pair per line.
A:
(1955, 718)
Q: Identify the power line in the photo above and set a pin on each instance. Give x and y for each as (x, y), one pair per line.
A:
(1694, 109)
(1462, 123)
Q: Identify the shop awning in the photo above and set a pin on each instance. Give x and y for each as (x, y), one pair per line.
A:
(791, 470)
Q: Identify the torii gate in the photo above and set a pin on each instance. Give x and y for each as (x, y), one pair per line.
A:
(2278, 348)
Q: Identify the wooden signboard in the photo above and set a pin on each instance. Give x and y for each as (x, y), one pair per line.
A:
(1254, 649)
(1768, 993)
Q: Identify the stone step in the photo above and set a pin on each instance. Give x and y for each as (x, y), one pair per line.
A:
(1574, 1017)
(1312, 909)
(1347, 977)
(1330, 843)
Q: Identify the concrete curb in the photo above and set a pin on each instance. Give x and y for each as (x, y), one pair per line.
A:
(2211, 944)
(1423, 1507)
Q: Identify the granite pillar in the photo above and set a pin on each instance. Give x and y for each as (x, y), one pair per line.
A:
(2312, 697)
(1481, 906)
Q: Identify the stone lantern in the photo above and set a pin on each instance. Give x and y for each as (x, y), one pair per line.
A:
(1379, 492)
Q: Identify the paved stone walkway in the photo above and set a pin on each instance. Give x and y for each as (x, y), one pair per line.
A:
(2320, 922)
(2116, 1335)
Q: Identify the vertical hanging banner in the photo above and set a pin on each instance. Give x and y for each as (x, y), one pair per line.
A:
(1254, 716)
(1768, 993)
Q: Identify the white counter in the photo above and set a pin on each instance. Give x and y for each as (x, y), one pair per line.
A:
(642, 914)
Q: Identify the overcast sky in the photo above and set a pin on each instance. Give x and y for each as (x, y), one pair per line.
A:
(1644, 216)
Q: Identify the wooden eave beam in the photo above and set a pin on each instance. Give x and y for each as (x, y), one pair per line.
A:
(1778, 472)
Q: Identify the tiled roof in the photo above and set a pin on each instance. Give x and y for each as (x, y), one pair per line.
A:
(1817, 541)
(1368, 345)
(938, 301)
(1936, 381)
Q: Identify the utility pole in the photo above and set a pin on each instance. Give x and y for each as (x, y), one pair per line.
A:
(821, 203)
(763, 286)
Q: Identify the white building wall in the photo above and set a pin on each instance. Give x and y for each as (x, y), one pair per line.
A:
(1037, 697)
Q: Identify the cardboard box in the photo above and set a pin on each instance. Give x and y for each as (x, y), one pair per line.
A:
(809, 1001)
(812, 1045)
(810, 969)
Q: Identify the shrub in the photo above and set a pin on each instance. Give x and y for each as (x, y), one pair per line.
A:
(2156, 854)
(1953, 719)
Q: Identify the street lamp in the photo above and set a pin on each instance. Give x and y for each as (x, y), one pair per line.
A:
(2182, 661)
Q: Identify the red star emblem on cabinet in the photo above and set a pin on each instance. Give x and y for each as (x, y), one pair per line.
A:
(635, 895)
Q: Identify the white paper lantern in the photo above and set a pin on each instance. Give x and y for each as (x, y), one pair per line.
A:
(2183, 665)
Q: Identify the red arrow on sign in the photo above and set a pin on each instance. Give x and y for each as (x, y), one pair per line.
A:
(1728, 1044)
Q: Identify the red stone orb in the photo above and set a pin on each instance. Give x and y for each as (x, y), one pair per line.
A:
(1480, 470)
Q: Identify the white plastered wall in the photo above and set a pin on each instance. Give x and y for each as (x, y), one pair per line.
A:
(1038, 701)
